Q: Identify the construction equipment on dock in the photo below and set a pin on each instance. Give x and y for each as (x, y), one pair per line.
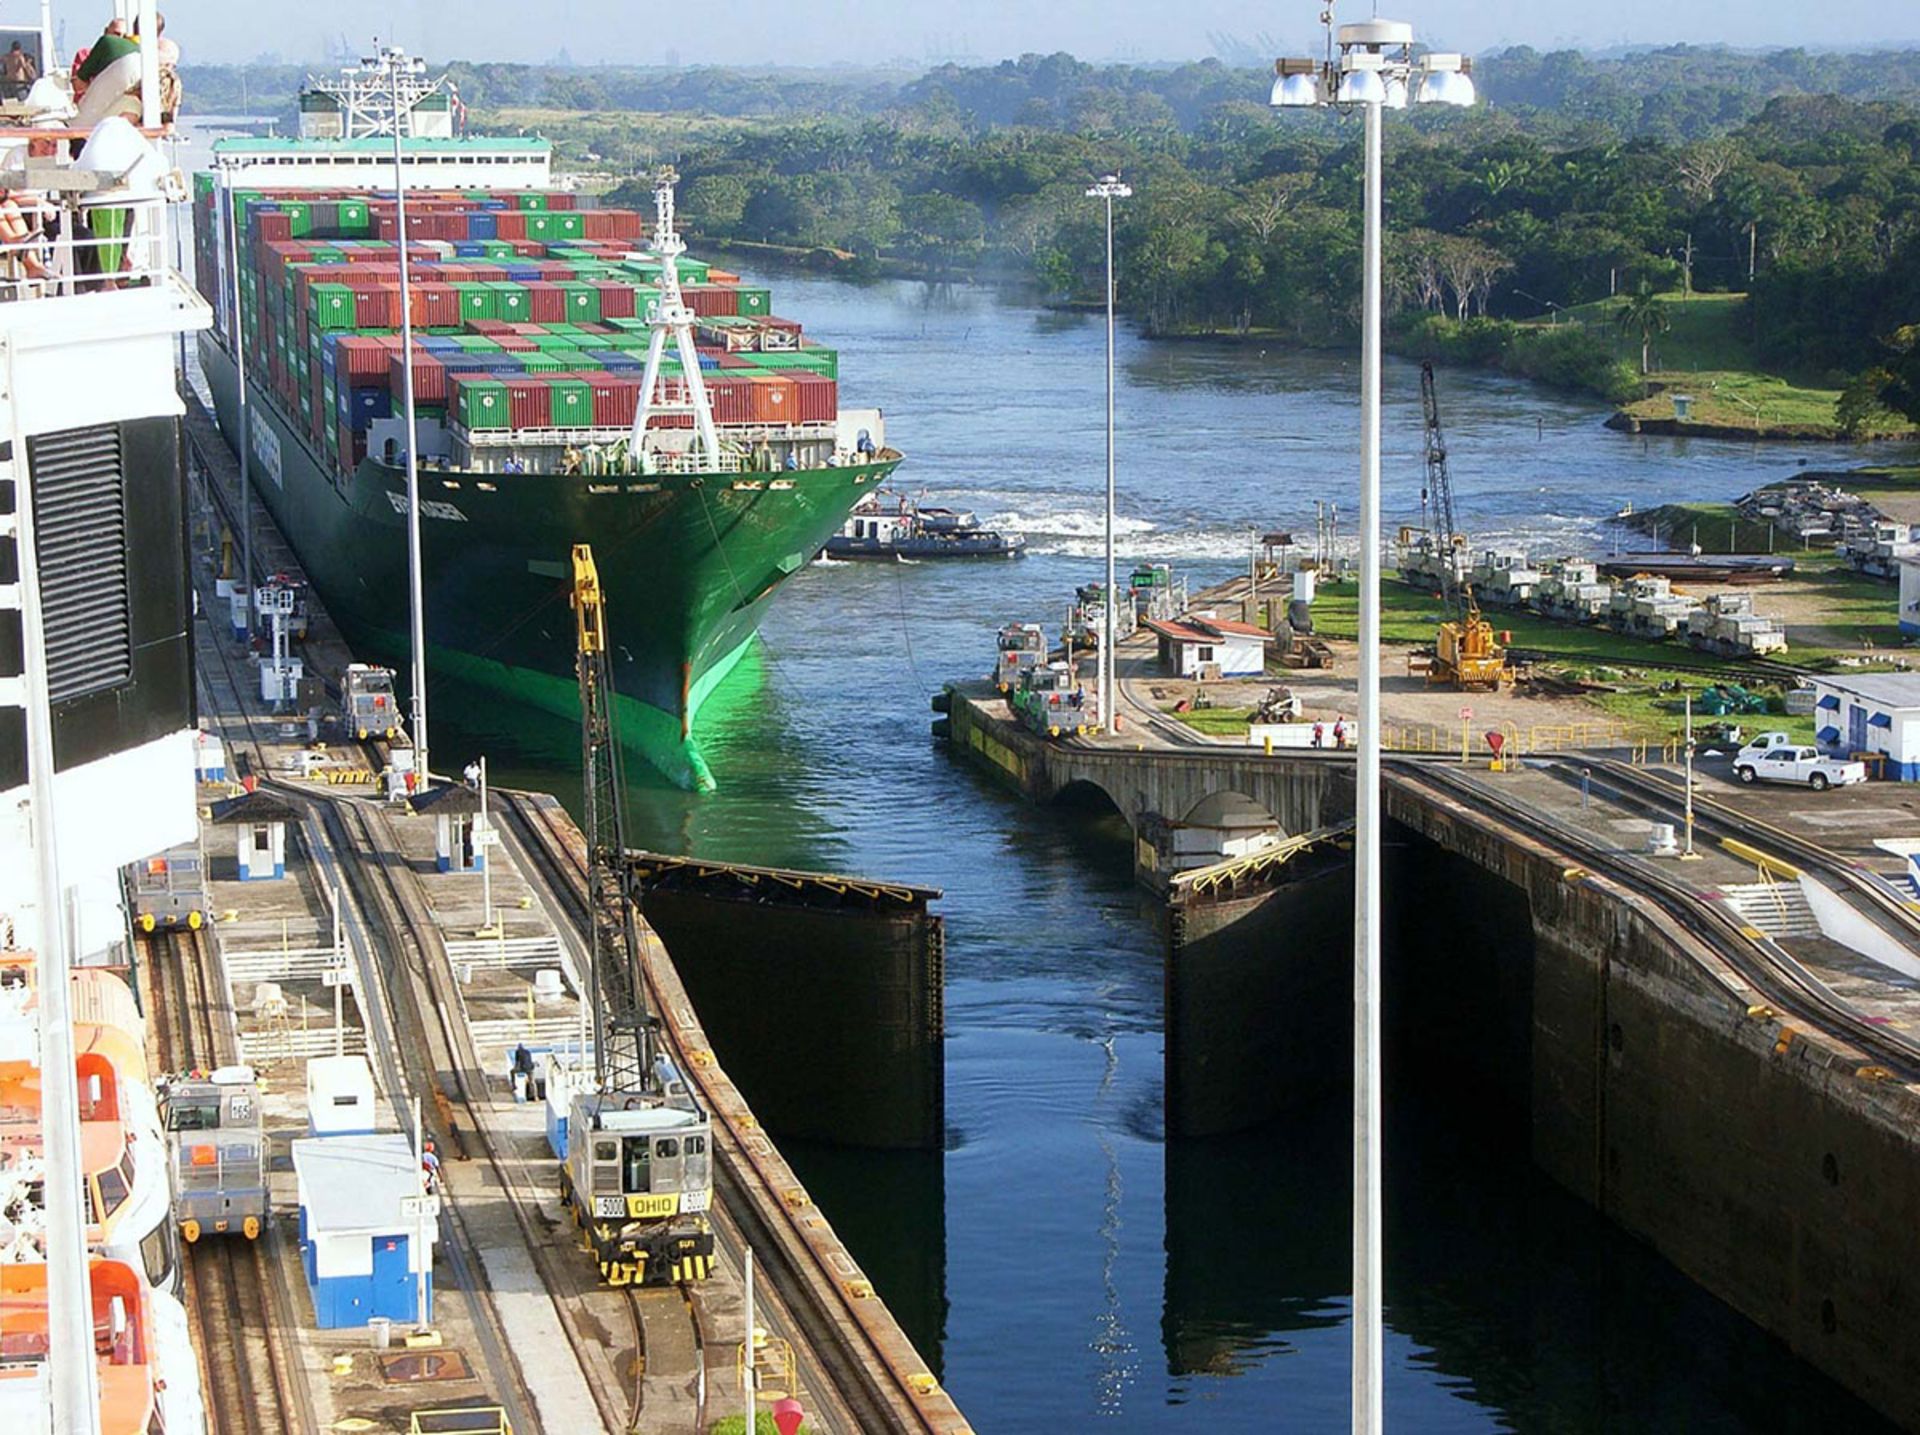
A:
(1647, 606)
(1466, 655)
(1728, 624)
(1879, 550)
(638, 1171)
(1571, 590)
(1505, 578)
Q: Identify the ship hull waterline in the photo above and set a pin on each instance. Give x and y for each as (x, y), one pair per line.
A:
(688, 562)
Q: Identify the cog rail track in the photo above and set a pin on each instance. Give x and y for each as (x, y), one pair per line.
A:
(866, 1377)
(250, 1377)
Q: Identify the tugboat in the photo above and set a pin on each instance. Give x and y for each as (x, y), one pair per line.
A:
(885, 524)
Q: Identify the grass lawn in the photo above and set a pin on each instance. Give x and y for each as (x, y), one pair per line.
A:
(1214, 722)
(1706, 354)
(1720, 528)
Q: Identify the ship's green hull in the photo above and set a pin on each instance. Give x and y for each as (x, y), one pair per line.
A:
(688, 564)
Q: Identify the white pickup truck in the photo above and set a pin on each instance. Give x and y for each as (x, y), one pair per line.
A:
(1786, 762)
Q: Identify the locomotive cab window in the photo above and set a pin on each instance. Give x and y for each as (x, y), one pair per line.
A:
(666, 1148)
(637, 1167)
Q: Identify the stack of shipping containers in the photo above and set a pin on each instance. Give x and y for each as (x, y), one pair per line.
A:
(528, 314)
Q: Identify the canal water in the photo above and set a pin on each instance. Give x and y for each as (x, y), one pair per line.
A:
(1062, 1264)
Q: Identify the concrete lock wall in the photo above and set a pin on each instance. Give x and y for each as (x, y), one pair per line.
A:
(1752, 1157)
(831, 1023)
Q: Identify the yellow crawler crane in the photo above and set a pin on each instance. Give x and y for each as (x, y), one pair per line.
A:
(1467, 656)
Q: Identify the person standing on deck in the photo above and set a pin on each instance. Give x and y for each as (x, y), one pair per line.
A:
(18, 71)
(107, 76)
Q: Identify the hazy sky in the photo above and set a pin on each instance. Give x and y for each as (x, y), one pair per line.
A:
(819, 32)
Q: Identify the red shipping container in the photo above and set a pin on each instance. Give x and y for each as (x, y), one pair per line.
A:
(529, 403)
(732, 400)
(561, 200)
(785, 326)
(441, 303)
(529, 248)
(546, 304)
(429, 379)
(264, 225)
(516, 344)
(364, 358)
(711, 300)
(816, 398)
(495, 327)
(772, 399)
(510, 224)
(614, 401)
(734, 361)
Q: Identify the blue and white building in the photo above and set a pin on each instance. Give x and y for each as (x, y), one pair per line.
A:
(1871, 713)
(1910, 597)
(362, 1250)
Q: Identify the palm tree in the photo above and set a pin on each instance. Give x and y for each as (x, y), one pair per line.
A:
(1643, 315)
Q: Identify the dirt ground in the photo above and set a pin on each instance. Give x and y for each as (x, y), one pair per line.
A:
(1328, 694)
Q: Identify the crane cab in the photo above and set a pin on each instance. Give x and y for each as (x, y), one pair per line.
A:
(218, 1152)
(639, 1180)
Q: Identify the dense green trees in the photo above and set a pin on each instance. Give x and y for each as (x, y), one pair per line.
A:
(1580, 179)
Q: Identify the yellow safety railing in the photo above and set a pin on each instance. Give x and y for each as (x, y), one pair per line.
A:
(478, 1420)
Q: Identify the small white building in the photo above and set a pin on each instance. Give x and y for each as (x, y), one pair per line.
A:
(1871, 713)
(1910, 597)
(1199, 645)
(339, 1096)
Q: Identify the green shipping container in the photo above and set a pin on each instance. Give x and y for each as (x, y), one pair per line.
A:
(478, 301)
(483, 404)
(354, 217)
(532, 201)
(333, 307)
(541, 227)
(300, 215)
(567, 224)
(583, 303)
(756, 302)
(547, 363)
(572, 404)
(511, 301)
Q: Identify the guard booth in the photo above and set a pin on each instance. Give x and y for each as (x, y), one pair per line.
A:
(361, 1246)
(259, 820)
(454, 807)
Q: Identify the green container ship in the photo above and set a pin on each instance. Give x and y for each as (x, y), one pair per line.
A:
(575, 377)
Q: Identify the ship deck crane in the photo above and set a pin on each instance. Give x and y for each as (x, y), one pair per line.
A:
(1466, 654)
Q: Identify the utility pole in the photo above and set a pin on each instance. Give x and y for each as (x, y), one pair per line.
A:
(1687, 852)
(748, 1375)
(1752, 249)
(1687, 267)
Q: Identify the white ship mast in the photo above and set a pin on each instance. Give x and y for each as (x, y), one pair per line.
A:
(374, 98)
(671, 316)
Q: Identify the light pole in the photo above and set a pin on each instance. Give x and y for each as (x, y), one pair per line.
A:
(242, 418)
(397, 65)
(1109, 189)
(1375, 69)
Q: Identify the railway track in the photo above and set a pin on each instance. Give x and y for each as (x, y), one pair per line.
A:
(1771, 971)
(250, 1378)
(863, 1379)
